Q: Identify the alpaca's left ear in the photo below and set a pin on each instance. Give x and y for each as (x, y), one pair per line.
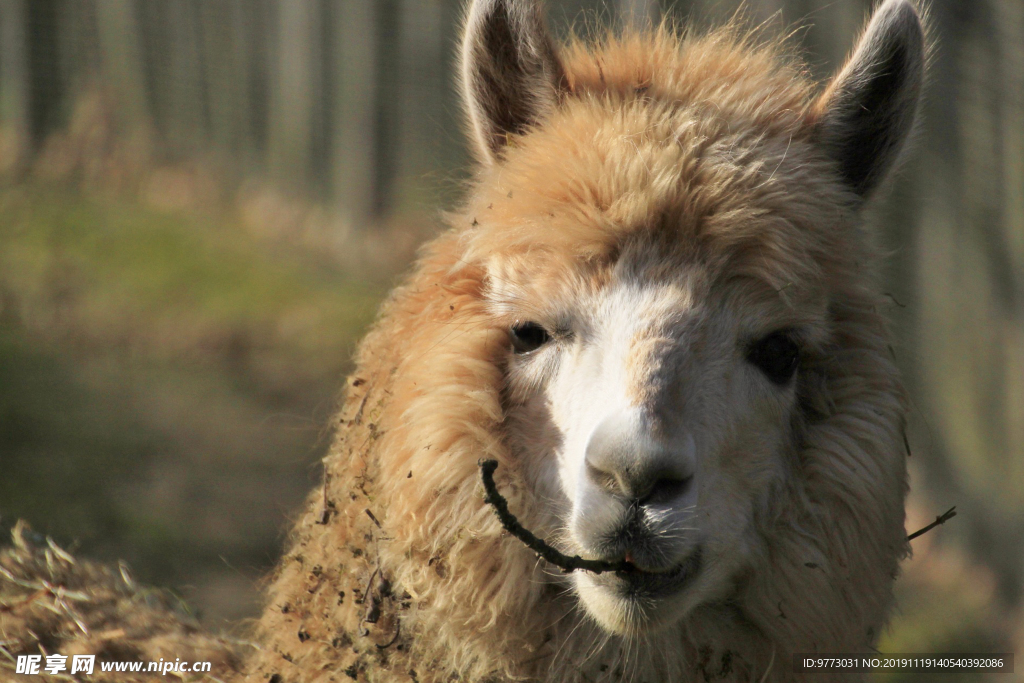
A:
(511, 74)
(867, 113)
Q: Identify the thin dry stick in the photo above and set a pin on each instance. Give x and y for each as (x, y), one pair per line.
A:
(941, 519)
(511, 524)
(569, 564)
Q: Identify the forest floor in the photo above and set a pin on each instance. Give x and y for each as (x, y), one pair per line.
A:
(166, 382)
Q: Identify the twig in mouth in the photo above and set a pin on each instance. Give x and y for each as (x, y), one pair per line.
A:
(941, 519)
(568, 564)
(512, 525)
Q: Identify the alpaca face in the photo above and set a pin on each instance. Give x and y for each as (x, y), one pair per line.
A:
(671, 240)
(658, 414)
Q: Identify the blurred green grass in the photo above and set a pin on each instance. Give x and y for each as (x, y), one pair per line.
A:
(165, 382)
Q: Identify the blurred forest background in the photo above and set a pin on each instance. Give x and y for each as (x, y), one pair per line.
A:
(203, 201)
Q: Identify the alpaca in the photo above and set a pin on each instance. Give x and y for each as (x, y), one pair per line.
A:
(656, 311)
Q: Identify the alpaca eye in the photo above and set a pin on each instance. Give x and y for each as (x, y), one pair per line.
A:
(777, 356)
(528, 336)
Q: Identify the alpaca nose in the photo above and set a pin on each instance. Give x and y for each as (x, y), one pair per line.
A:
(625, 461)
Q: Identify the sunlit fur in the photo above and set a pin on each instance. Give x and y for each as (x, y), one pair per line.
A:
(673, 207)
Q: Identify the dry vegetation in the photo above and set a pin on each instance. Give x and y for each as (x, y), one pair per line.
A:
(52, 602)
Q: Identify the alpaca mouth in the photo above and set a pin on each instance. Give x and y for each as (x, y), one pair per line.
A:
(635, 583)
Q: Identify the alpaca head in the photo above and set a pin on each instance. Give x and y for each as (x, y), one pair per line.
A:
(671, 233)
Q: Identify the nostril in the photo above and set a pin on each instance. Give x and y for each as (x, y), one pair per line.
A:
(603, 478)
(665, 491)
(644, 487)
(624, 460)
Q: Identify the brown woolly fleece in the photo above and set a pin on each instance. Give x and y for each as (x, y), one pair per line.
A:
(705, 150)
(699, 144)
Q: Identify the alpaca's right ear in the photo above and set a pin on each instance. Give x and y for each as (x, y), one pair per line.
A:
(867, 113)
(511, 74)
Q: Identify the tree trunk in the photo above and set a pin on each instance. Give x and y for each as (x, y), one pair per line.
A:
(121, 62)
(386, 107)
(292, 92)
(224, 72)
(14, 87)
(354, 164)
(419, 82)
(638, 12)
